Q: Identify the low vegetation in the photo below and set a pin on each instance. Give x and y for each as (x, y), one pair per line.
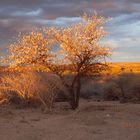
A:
(30, 88)
(124, 87)
(78, 46)
(39, 73)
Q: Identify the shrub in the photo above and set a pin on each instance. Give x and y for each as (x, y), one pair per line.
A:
(50, 87)
(125, 87)
(91, 89)
(4, 98)
(135, 89)
(110, 91)
(31, 87)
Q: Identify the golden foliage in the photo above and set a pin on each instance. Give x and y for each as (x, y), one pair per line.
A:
(31, 85)
(79, 51)
(32, 48)
(79, 43)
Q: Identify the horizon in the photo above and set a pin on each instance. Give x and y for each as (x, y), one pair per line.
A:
(124, 28)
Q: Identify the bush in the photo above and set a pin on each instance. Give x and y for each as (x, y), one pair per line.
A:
(135, 89)
(31, 87)
(110, 91)
(125, 87)
(4, 98)
(91, 89)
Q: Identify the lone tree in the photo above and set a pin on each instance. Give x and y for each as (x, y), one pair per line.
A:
(81, 50)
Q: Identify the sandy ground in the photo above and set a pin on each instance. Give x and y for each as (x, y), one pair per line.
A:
(92, 121)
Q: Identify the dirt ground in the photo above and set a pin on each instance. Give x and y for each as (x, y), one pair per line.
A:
(92, 121)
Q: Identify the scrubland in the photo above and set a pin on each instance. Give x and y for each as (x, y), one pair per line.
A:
(34, 105)
(68, 93)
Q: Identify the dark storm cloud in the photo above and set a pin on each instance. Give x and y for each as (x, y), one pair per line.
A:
(21, 15)
(21, 3)
(57, 8)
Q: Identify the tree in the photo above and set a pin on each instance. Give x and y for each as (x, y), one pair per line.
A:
(80, 48)
(80, 51)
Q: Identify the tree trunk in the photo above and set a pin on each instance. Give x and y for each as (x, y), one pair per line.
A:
(75, 94)
(72, 99)
(123, 98)
(78, 91)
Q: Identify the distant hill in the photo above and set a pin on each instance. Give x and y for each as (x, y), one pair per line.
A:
(114, 67)
(117, 67)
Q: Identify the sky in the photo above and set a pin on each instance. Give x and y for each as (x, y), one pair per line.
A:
(124, 28)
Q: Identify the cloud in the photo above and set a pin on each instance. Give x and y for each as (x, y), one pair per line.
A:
(60, 21)
(27, 13)
(22, 15)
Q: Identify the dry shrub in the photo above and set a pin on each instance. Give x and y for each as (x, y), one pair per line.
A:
(50, 88)
(31, 87)
(91, 89)
(125, 87)
(125, 83)
(110, 91)
(4, 98)
(24, 84)
(135, 89)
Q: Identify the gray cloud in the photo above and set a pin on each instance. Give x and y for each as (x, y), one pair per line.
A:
(21, 15)
(57, 8)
